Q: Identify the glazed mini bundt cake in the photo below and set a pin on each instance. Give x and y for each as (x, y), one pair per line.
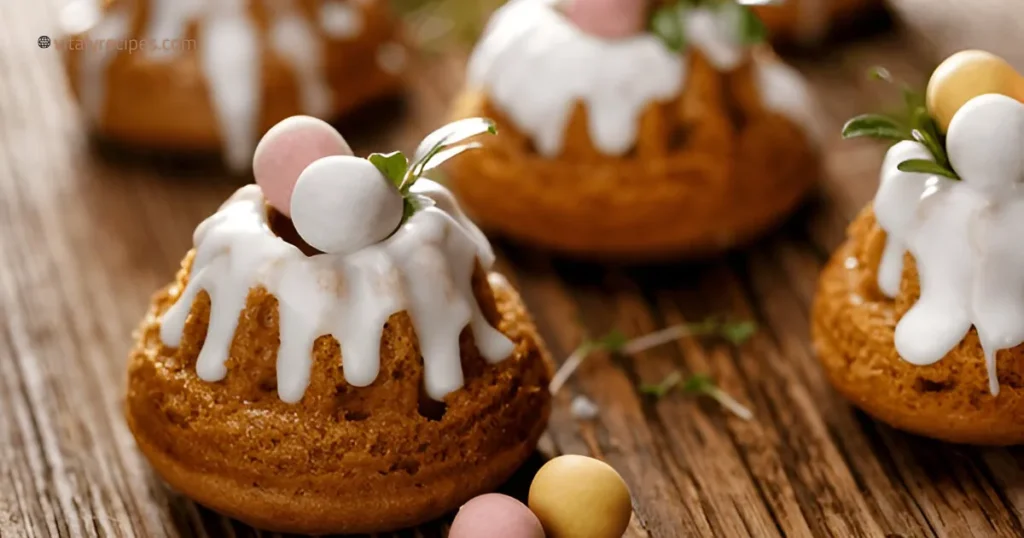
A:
(619, 142)
(919, 317)
(337, 374)
(808, 22)
(206, 76)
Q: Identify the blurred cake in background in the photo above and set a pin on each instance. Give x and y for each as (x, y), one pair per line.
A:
(634, 129)
(208, 75)
(808, 22)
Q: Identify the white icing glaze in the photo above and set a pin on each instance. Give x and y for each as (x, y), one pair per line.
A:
(425, 268)
(784, 90)
(230, 53)
(233, 79)
(92, 85)
(536, 65)
(340, 19)
(964, 236)
(295, 39)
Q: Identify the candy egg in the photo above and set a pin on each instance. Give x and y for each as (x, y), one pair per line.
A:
(610, 19)
(286, 150)
(985, 141)
(965, 75)
(580, 497)
(495, 516)
(342, 204)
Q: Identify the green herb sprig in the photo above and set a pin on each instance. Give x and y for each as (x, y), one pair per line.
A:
(438, 147)
(668, 21)
(697, 385)
(734, 332)
(917, 125)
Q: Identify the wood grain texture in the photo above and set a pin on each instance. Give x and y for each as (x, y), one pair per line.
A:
(85, 239)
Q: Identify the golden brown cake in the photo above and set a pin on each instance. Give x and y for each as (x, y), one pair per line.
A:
(204, 76)
(854, 325)
(809, 21)
(350, 391)
(626, 148)
(919, 316)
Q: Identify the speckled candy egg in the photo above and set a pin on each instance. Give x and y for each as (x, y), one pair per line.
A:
(495, 516)
(580, 497)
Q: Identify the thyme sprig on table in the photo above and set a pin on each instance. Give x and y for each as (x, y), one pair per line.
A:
(734, 332)
(916, 125)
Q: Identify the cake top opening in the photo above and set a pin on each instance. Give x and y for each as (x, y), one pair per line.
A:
(952, 195)
(389, 241)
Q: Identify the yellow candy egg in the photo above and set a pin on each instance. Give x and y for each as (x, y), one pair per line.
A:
(966, 75)
(580, 497)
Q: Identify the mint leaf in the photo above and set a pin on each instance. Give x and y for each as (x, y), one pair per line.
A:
(435, 144)
(924, 166)
(393, 165)
(875, 126)
(752, 30)
(667, 25)
(447, 153)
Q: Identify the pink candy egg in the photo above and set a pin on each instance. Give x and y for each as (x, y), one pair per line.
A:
(286, 150)
(495, 516)
(609, 19)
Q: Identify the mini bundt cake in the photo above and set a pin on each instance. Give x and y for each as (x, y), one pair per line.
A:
(619, 142)
(371, 383)
(205, 76)
(919, 316)
(808, 22)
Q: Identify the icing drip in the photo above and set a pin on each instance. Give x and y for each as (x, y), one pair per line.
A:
(168, 19)
(784, 91)
(95, 59)
(536, 65)
(294, 38)
(340, 20)
(964, 236)
(230, 60)
(425, 268)
(230, 53)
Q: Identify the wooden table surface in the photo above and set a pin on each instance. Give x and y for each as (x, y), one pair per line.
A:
(85, 240)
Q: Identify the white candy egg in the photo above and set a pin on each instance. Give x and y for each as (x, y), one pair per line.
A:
(985, 142)
(342, 204)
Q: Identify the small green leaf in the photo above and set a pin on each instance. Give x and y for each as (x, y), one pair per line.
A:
(612, 342)
(924, 166)
(667, 25)
(411, 203)
(447, 153)
(881, 73)
(875, 126)
(752, 30)
(698, 384)
(440, 140)
(661, 389)
(738, 332)
(392, 165)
